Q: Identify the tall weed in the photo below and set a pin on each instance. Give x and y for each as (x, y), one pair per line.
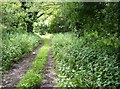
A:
(14, 45)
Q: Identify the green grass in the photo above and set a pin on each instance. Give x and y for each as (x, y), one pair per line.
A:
(34, 76)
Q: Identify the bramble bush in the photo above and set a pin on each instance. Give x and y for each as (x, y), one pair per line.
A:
(14, 45)
(87, 61)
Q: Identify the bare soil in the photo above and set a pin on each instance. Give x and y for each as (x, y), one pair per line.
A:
(49, 74)
(16, 72)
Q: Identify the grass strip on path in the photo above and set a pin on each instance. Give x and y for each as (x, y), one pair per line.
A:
(34, 76)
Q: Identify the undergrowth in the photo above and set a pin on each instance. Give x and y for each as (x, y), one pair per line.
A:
(15, 45)
(89, 61)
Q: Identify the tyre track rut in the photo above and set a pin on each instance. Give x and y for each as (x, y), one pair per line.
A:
(49, 74)
(16, 72)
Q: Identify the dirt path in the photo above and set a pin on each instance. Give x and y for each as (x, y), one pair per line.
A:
(49, 74)
(11, 78)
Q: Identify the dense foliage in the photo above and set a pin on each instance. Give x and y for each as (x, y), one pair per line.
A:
(86, 57)
(90, 57)
(16, 18)
(16, 22)
(86, 62)
(15, 45)
(61, 17)
(81, 17)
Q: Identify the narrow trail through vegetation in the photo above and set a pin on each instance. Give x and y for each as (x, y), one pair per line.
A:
(49, 74)
(12, 77)
(85, 40)
(42, 72)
